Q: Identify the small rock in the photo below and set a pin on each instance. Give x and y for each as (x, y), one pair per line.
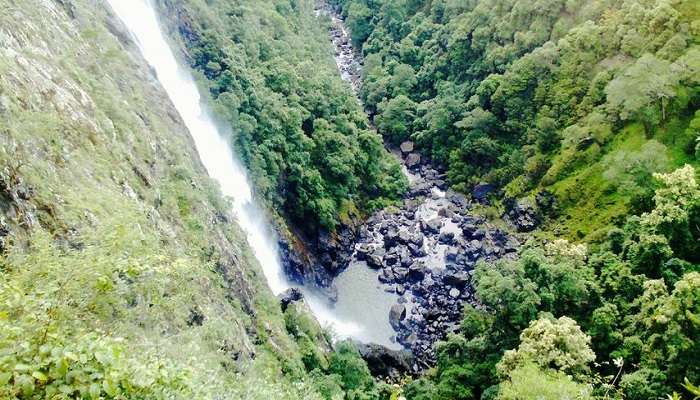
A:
(391, 238)
(455, 293)
(407, 147)
(386, 276)
(290, 296)
(432, 226)
(447, 238)
(413, 160)
(391, 259)
(400, 290)
(401, 274)
(396, 315)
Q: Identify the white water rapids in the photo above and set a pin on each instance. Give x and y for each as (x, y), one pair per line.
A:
(216, 153)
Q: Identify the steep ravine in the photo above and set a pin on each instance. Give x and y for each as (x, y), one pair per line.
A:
(423, 253)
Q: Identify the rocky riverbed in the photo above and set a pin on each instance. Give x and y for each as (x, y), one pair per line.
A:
(423, 252)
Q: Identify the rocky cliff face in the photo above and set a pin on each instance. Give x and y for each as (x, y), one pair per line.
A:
(108, 221)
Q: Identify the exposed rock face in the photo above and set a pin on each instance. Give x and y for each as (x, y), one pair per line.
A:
(523, 215)
(397, 314)
(290, 296)
(386, 363)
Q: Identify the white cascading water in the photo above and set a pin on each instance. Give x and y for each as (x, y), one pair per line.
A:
(215, 150)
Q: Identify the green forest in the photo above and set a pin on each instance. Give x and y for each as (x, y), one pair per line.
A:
(586, 99)
(304, 137)
(595, 102)
(124, 273)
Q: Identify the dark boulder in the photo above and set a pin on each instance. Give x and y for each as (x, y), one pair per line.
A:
(523, 215)
(386, 276)
(401, 290)
(386, 363)
(400, 273)
(290, 296)
(432, 226)
(451, 255)
(374, 259)
(482, 191)
(391, 238)
(457, 279)
(447, 238)
(417, 251)
(396, 315)
(417, 271)
(391, 259)
(362, 251)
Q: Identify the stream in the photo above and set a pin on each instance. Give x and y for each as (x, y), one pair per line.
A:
(410, 269)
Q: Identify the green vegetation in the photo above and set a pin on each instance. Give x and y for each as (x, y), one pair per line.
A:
(296, 125)
(627, 314)
(533, 95)
(595, 102)
(122, 272)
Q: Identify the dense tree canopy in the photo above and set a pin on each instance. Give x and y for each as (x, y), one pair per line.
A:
(296, 125)
(532, 94)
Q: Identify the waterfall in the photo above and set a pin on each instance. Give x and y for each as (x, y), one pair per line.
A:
(215, 150)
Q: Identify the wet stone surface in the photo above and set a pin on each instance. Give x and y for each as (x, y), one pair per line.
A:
(424, 252)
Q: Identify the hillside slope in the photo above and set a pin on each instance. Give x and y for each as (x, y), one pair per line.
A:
(583, 99)
(580, 121)
(122, 271)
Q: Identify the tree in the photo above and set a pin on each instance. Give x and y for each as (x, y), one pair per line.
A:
(668, 326)
(643, 91)
(558, 344)
(530, 382)
(359, 21)
(676, 215)
(354, 374)
(395, 119)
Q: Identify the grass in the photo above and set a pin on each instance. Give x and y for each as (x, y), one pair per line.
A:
(589, 202)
